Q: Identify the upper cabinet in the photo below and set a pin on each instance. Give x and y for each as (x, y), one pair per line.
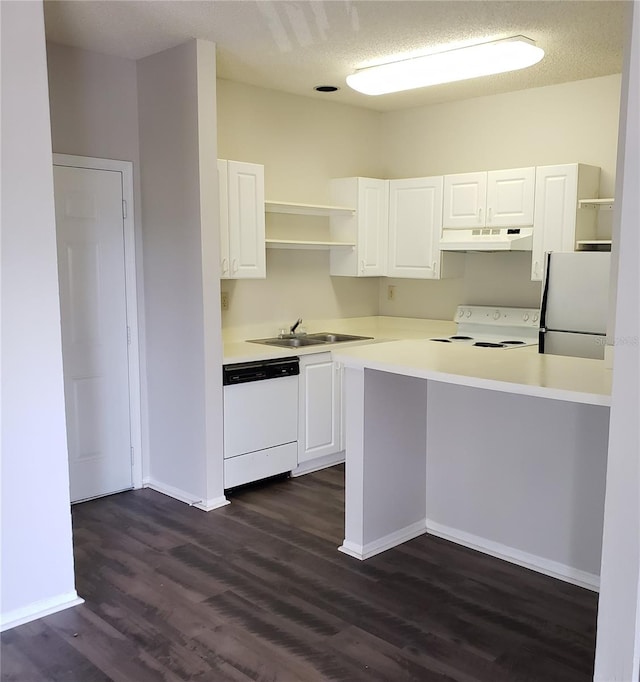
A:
(367, 228)
(503, 198)
(242, 231)
(561, 220)
(415, 222)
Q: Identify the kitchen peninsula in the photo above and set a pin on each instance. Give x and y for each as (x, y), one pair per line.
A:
(504, 452)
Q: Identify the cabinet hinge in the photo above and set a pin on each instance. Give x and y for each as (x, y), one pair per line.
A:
(128, 335)
(124, 208)
(131, 456)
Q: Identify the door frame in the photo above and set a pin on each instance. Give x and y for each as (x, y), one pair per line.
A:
(135, 411)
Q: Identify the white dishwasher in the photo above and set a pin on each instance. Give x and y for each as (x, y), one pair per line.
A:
(260, 419)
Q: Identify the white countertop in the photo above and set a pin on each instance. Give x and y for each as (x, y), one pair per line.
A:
(380, 328)
(522, 371)
(400, 345)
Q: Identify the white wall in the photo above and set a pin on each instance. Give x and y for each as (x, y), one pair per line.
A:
(180, 234)
(618, 640)
(302, 142)
(566, 123)
(538, 497)
(94, 105)
(37, 555)
(210, 241)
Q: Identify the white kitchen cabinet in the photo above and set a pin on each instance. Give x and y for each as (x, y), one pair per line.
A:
(415, 223)
(415, 227)
(242, 223)
(502, 198)
(319, 408)
(559, 220)
(367, 228)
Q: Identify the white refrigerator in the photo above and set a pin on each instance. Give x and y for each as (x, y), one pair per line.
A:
(575, 301)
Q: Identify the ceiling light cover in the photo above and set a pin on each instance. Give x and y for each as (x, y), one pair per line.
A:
(459, 64)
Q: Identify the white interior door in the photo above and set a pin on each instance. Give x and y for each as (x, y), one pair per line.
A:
(91, 271)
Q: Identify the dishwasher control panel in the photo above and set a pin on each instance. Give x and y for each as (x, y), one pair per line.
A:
(245, 372)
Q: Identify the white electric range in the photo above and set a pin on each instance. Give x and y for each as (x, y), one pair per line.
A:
(495, 327)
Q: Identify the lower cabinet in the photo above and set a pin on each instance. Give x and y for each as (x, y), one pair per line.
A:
(320, 413)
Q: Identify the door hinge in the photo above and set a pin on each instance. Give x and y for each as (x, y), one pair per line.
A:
(128, 335)
(124, 208)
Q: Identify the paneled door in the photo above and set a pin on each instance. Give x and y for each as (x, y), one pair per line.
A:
(95, 347)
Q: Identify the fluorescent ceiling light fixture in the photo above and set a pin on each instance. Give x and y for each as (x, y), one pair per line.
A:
(509, 54)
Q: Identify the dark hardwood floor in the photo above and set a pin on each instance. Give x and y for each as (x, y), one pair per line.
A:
(258, 591)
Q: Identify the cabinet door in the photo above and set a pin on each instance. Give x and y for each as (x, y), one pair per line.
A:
(415, 223)
(246, 220)
(367, 228)
(373, 208)
(223, 199)
(510, 196)
(319, 407)
(555, 213)
(465, 196)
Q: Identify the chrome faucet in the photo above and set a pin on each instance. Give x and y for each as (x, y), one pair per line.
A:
(294, 326)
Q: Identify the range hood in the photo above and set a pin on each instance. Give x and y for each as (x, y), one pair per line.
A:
(487, 239)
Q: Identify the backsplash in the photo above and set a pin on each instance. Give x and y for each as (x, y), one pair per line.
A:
(489, 279)
(298, 285)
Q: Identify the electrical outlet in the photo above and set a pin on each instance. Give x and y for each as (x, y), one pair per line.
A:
(391, 292)
(224, 300)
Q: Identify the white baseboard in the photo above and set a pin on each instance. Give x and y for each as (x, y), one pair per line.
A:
(39, 609)
(384, 543)
(213, 503)
(317, 464)
(554, 569)
(184, 496)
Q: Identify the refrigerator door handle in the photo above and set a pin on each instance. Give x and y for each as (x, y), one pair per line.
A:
(545, 289)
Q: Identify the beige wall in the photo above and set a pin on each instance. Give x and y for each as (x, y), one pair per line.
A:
(302, 143)
(567, 123)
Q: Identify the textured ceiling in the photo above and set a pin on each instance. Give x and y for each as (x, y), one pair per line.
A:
(293, 46)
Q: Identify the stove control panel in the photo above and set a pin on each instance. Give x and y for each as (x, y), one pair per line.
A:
(498, 316)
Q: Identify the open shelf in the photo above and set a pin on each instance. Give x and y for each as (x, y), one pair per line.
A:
(306, 244)
(593, 245)
(306, 209)
(597, 203)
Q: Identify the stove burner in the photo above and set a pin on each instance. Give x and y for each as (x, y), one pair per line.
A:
(512, 343)
(442, 340)
(488, 344)
(461, 338)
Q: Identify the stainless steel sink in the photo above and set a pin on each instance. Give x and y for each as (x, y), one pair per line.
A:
(328, 337)
(289, 342)
(309, 340)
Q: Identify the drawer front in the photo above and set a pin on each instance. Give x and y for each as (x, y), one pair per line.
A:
(261, 464)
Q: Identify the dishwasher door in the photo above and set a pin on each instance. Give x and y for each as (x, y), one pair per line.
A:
(259, 415)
